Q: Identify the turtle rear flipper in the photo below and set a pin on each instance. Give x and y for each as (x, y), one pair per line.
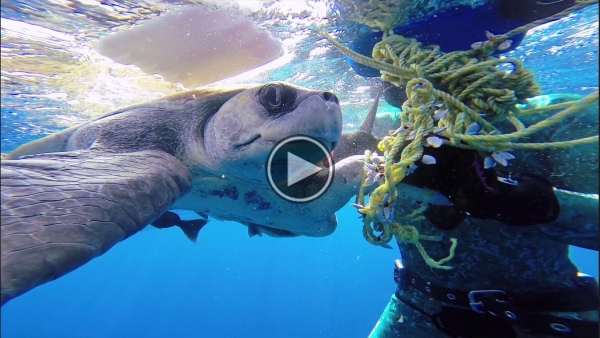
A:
(61, 210)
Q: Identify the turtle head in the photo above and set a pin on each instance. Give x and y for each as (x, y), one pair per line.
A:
(240, 135)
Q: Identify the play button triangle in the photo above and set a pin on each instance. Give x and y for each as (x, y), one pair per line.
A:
(299, 169)
(294, 180)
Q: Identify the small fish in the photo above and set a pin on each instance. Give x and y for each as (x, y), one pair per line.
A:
(428, 159)
(358, 206)
(254, 230)
(259, 230)
(438, 104)
(411, 135)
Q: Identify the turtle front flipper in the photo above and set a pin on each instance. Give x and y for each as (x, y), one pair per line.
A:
(61, 210)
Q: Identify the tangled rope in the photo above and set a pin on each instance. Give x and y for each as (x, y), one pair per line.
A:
(457, 96)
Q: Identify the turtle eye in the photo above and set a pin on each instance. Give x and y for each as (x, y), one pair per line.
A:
(277, 98)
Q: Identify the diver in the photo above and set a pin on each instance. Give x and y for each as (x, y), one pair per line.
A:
(511, 275)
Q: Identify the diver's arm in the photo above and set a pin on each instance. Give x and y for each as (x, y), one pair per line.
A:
(577, 224)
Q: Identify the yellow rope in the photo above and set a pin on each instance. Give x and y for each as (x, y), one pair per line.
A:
(557, 118)
(546, 108)
(416, 215)
(516, 122)
(468, 83)
(546, 145)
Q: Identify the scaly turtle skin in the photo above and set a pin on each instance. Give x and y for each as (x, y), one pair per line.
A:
(71, 196)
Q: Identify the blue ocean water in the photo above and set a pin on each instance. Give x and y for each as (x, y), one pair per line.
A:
(158, 284)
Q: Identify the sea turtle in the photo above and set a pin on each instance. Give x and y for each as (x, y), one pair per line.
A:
(71, 196)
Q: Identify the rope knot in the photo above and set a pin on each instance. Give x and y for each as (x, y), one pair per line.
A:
(408, 234)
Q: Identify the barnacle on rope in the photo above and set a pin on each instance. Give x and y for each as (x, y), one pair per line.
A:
(459, 96)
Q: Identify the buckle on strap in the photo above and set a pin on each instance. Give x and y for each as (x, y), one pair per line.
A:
(477, 304)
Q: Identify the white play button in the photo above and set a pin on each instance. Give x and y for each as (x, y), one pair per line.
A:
(296, 169)
(299, 169)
